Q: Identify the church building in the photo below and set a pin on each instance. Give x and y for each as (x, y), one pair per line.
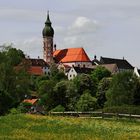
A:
(70, 56)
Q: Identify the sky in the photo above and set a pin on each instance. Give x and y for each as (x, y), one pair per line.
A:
(108, 28)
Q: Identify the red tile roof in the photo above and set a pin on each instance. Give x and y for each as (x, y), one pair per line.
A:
(34, 62)
(32, 101)
(36, 70)
(33, 66)
(71, 55)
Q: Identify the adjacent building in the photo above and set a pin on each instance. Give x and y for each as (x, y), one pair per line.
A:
(122, 64)
(35, 67)
(74, 71)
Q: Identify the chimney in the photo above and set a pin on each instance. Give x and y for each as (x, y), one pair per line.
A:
(54, 47)
(38, 57)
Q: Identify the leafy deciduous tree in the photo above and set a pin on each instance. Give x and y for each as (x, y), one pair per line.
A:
(103, 86)
(99, 73)
(122, 89)
(86, 102)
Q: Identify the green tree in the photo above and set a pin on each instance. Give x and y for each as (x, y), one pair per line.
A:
(55, 74)
(6, 102)
(122, 89)
(12, 83)
(99, 73)
(103, 86)
(46, 93)
(15, 56)
(61, 93)
(72, 95)
(136, 95)
(23, 82)
(40, 79)
(58, 108)
(84, 82)
(53, 70)
(87, 102)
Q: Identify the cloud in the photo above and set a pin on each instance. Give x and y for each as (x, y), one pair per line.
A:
(82, 25)
(77, 34)
(19, 14)
(32, 46)
(70, 41)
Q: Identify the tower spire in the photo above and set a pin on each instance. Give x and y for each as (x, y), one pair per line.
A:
(48, 14)
(48, 34)
(48, 22)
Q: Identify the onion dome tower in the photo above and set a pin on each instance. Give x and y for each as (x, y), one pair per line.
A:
(48, 34)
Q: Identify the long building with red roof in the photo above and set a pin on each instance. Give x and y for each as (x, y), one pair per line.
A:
(72, 57)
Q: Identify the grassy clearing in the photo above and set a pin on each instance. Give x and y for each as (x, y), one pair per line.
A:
(33, 127)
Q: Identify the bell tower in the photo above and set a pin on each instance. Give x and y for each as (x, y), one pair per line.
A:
(48, 34)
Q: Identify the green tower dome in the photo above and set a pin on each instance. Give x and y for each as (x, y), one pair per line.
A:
(48, 30)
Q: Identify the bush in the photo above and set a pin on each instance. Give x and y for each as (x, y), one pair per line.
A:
(123, 87)
(123, 109)
(86, 102)
(58, 108)
(14, 111)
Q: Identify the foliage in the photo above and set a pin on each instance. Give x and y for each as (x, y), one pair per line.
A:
(125, 109)
(24, 107)
(6, 102)
(60, 93)
(122, 89)
(136, 95)
(86, 102)
(72, 95)
(99, 73)
(13, 83)
(60, 76)
(39, 79)
(53, 70)
(84, 82)
(103, 86)
(15, 111)
(15, 56)
(46, 93)
(58, 108)
(23, 83)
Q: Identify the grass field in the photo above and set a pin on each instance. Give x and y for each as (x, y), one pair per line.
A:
(33, 127)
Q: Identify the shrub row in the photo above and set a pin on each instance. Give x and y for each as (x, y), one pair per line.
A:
(123, 109)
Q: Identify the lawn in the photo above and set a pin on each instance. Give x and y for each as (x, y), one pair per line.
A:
(34, 127)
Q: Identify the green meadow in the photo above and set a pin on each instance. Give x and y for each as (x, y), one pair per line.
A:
(35, 127)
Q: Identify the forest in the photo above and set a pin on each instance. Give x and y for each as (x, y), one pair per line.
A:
(99, 90)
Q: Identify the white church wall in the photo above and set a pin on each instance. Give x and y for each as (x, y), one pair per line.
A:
(79, 64)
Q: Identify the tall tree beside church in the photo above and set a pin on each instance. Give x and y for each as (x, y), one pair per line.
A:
(13, 84)
(122, 89)
(15, 56)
